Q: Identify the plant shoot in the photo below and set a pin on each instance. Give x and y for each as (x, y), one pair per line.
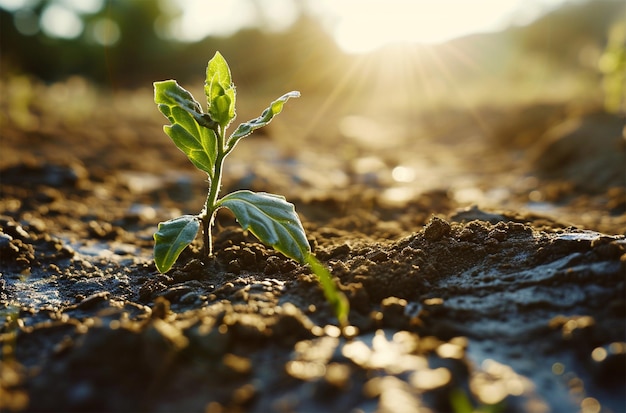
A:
(202, 137)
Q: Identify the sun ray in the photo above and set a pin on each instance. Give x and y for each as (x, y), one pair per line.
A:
(461, 93)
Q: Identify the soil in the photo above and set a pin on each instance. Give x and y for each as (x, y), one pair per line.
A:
(485, 268)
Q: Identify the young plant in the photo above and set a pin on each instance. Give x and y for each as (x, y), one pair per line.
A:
(202, 137)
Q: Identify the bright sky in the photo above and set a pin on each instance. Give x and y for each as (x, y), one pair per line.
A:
(357, 25)
(362, 25)
(365, 25)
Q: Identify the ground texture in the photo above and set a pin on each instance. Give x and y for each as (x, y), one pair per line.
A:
(485, 267)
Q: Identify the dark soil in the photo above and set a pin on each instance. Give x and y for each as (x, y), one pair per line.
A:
(488, 270)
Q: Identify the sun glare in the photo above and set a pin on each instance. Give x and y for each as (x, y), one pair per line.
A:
(358, 26)
(361, 26)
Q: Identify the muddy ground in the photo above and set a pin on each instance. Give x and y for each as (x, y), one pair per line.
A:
(483, 255)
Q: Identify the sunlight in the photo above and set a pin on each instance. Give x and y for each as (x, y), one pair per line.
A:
(361, 26)
(358, 26)
(62, 19)
(201, 18)
(58, 21)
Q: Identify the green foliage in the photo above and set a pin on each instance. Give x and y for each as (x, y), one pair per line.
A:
(247, 128)
(612, 64)
(185, 114)
(271, 219)
(202, 137)
(337, 300)
(220, 91)
(172, 238)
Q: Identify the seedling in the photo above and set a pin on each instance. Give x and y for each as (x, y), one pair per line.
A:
(202, 137)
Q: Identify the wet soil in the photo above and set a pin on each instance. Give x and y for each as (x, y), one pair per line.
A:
(485, 268)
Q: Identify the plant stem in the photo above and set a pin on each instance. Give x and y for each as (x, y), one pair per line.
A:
(210, 209)
(206, 230)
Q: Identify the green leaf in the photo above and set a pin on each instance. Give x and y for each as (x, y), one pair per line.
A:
(222, 108)
(170, 93)
(274, 109)
(196, 148)
(189, 129)
(172, 238)
(338, 301)
(220, 91)
(271, 219)
(218, 67)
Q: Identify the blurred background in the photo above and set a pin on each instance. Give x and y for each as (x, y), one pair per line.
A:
(400, 95)
(424, 50)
